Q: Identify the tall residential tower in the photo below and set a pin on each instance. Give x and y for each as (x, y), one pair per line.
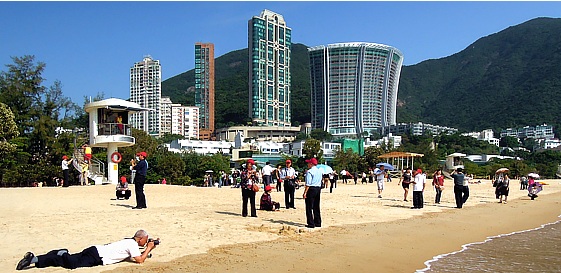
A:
(354, 87)
(204, 88)
(269, 44)
(146, 91)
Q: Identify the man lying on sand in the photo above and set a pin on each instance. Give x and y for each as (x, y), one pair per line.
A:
(94, 255)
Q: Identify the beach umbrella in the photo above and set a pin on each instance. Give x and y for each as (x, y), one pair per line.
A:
(502, 170)
(325, 169)
(387, 166)
(534, 175)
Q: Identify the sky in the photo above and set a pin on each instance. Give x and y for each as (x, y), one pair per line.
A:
(90, 46)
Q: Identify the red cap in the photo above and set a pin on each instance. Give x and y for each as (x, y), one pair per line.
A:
(419, 171)
(143, 154)
(288, 161)
(123, 179)
(64, 157)
(268, 188)
(251, 161)
(312, 160)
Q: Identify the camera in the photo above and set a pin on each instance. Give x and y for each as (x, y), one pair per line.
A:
(156, 242)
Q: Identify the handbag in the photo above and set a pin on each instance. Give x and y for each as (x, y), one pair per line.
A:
(255, 187)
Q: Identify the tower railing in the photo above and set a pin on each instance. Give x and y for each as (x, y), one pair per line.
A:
(108, 129)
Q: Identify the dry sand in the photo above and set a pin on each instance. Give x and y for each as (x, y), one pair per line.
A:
(201, 229)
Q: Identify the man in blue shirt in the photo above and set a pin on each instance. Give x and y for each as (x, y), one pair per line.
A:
(312, 194)
(139, 179)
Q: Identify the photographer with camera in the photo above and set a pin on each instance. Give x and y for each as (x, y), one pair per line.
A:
(95, 255)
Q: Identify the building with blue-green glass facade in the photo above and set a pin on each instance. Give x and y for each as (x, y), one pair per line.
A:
(204, 88)
(354, 87)
(269, 44)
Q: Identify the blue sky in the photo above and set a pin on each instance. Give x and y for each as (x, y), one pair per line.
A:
(91, 46)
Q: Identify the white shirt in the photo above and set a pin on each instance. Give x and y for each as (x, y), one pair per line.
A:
(118, 251)
(64, 165)
(267, 170)
(287, 172)
(379, 174)
(420, 180)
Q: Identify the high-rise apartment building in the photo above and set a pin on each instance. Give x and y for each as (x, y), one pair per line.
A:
(165, 116)
(204, 88)
(354, 87)
(185, 121)
(269, 44)
(146, 90)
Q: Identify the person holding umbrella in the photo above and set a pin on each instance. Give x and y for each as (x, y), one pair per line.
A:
(380, 174)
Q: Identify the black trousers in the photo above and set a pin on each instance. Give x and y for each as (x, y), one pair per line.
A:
(313, 215)
(248, 195)
(87, 258)
(438, 195)
(125, 195)
(331, 185)
(139, 181)
(461, 193)
(66, 182)
(279, 185)
(289, 194)
(418, 199)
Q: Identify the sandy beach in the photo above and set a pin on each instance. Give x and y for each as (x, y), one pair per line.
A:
(202, 230)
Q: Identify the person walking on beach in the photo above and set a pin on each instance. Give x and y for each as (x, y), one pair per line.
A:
(418, 189)
(288, 176)
(140, 179)
(266, 171)
(344, 176)
(461, 190)
(312, 193)
(405, 180)
(276, 176)
(503, 188)
(438, 183)
(94, 255)
(380, 177)
(65, 169)
(248, 178)
(84, 173)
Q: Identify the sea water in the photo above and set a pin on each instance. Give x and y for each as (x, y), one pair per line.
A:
(536, 250)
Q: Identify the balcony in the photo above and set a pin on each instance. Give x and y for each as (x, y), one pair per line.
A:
(118, 133)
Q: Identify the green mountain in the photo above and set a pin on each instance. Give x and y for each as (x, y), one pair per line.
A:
(508, 79)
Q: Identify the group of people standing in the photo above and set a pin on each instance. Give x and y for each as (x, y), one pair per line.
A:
(287, 176)
(418, 179)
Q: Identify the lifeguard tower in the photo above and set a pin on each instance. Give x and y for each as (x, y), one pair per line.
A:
(109, 128)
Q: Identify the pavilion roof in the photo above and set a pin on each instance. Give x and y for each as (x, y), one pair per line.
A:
(400, 155)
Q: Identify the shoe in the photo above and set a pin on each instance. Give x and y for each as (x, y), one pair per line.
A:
(308, 226)
(26, 261)
(379, 196)
(253, 215)
(405, 200)
(294, 207)
(137, 208)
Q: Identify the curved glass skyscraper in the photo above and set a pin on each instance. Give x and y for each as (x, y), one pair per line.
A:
(354, 87)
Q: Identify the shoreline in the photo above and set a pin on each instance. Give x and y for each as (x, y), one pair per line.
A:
(372, 247)
(201, 229)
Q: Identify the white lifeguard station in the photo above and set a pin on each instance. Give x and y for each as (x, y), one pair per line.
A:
(110, 129)
(454, 161)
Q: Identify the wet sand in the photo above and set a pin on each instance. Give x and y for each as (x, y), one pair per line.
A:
(202, 230)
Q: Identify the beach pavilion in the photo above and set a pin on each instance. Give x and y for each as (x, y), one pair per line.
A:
(400, 160)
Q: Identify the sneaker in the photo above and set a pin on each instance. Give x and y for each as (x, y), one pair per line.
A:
(26, 261)
(379, 196)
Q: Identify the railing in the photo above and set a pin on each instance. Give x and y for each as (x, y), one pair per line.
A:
(108, 129)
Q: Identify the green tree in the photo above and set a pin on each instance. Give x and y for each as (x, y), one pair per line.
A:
(312, 148)
(8, 131)
(347, 160)
(321, 135)
(509, 141)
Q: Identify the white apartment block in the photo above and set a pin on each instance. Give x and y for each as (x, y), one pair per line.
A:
(146, 91)
(485, 135)
(165, 116)
(390, 141)
(200, 147)
(296, 148)
(538, 132)
(185, 120)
